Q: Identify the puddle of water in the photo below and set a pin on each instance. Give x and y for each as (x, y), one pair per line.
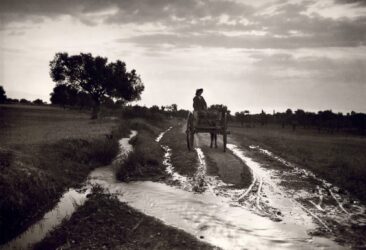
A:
(209, 216)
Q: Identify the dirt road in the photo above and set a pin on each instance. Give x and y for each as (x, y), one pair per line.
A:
(257, 180)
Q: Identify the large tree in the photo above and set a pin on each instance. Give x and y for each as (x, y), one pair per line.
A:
(2, 95)
(64, 95)
(96, 77)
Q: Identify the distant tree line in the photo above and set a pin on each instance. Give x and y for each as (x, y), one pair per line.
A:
(326, 121)
(5, 99)
(154, 112)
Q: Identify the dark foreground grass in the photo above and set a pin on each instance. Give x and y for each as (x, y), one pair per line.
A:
(103, 222)
(145, 162)
(34, 180)
(35, 173)
(340, 159)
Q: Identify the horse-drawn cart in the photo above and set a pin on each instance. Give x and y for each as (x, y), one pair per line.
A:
(207, 121)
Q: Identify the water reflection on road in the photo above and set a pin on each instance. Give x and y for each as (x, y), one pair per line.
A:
(209, 217)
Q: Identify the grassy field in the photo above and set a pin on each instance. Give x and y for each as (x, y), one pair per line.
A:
(43, 151)
(29, 124)
(340, 159)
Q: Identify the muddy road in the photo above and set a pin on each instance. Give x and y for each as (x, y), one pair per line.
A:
(294, 199)
(246, 198)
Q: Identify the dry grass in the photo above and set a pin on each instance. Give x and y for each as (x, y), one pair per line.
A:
(340, 159)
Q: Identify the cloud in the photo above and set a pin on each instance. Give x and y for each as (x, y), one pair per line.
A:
(357, 2)
(202, 23)
(346, 70)
(38, 10)
(286, 26)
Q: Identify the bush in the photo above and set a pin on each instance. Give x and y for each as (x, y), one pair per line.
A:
(102, 152)
(145, 161)
(38, 102)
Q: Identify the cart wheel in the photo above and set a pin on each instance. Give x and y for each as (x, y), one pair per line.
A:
(224, 140)
(191, 140)
(188, 140)
(224, 134)
(190, 131)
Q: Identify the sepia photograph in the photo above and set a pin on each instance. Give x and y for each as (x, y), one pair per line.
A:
(182, 124)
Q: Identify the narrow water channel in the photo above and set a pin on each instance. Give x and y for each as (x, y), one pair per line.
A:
(205, 215)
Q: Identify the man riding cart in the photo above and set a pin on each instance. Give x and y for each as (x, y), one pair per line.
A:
(204, 120)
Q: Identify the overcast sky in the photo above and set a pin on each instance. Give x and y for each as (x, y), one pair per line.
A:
(256, 54)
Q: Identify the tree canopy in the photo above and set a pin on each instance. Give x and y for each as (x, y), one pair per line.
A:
(96, 77)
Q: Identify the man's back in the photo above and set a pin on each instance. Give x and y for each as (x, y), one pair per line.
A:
(199, 103)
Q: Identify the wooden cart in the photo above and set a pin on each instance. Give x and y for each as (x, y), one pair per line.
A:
(207, 121)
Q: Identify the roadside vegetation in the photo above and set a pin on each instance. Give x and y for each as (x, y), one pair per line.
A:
(145, 162)
(103, 222)
(340, 159)
(46, 149)
(42, 154)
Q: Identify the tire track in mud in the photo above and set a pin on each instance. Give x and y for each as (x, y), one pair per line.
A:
(268, 197)
(252, 198)
(335, 209)
(200, 182)
(264, 196)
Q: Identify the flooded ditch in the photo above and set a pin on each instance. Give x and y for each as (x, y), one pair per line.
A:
(203, 206)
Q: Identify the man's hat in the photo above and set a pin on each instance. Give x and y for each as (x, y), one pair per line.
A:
(199, 90)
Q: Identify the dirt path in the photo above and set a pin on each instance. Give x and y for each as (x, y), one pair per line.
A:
(271, 187)
(242, 181)
(226, 166)
(338, 214)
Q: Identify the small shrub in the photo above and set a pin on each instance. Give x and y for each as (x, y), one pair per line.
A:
(102, 152)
